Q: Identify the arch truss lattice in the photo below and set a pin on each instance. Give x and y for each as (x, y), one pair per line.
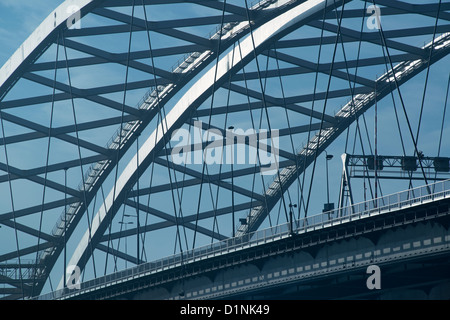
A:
(120, 121)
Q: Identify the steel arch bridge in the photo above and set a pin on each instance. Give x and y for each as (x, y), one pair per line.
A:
(120, 120)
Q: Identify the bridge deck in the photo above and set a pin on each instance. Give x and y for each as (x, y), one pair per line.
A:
(339, 217)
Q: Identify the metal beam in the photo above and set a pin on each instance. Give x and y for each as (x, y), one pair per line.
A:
(115, 57)
(313, 67)
(288, 103)
(144, 25)
(25, 251)
(64, 137)
(154, 26)
(174, 220)
(118, 253)
(19, 174)
(219, 183)
(94, 93)
(38, 208)
(230, 8)
(25, 174)
(365, 36)
(185, 220)
(30, 231)
(215, 177)
(418, 52)
(68, 129)
(423, 9)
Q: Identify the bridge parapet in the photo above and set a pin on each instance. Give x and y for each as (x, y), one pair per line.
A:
(380, 206)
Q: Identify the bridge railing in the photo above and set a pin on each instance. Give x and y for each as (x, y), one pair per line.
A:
(385, 204)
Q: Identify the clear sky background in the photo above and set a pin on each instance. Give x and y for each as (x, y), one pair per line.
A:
(19, 18)
(22, 17)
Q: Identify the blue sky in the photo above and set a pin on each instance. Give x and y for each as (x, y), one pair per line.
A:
(18, 19)
(22, 16)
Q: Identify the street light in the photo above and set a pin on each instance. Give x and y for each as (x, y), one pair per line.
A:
(126, 244)
(328, 206)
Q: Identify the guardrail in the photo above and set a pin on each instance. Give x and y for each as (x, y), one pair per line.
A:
(382, 205)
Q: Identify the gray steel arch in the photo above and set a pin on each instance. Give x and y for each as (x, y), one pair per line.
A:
(412, 60)
(22, 65)
(196, 94)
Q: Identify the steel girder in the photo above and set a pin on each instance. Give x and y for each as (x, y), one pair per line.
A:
(276, 17)
(25, 65)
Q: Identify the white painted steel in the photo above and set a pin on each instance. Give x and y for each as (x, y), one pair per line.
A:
(204, 84)
(57, 19)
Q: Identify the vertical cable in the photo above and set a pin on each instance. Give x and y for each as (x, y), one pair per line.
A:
(213, 90)
(215, 222)
(443, 122)
(325, 105)
(428, 72)
(253, 126)
(160, 109)
(137, 201)
(384, 43)
(85, 204)
(120, 134)
(65, 227)
(376, 144)
(12, 206)
(300, 186)
(316, 80)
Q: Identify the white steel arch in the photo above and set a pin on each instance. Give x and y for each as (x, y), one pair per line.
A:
(255, 32)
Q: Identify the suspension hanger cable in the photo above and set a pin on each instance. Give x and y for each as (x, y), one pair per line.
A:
(258, 163)
(46, 173)
(325, 104)
(352, 88)
(384, 43)
(427, 73)
(297, 165)
(79, 156)
(116, 174)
